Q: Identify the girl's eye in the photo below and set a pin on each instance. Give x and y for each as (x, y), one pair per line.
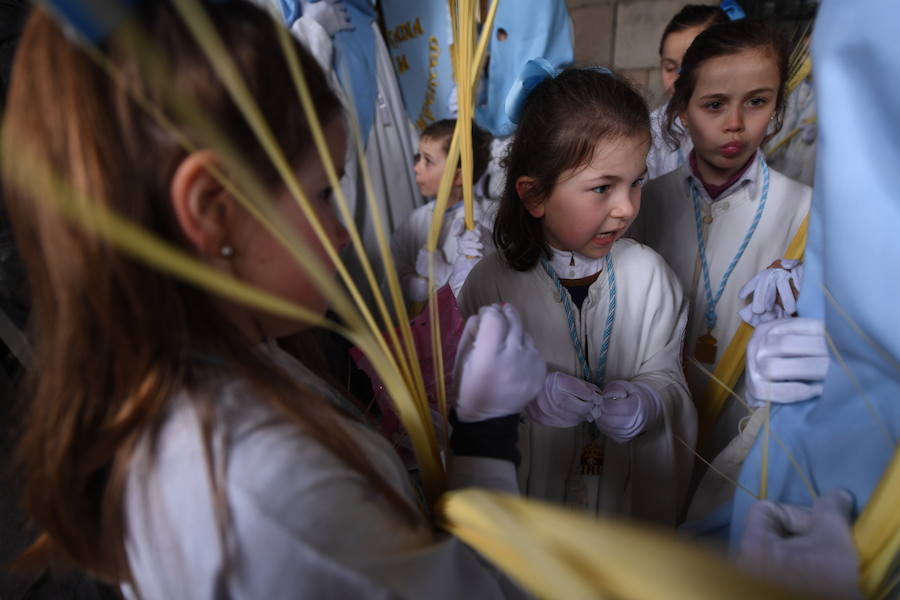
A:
(428, 161)
(714, 105)
(639, 182)
(757, 102)
(600, 189)
(417, 158)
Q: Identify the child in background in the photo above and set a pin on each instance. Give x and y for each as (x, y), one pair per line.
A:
(677, 37)
(458, 249)
(723, 216)
(613, 428)
(169, 445)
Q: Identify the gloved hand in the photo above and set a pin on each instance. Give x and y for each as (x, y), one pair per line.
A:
(498, 368)
(627, 409)
(622, 411)
(469, 250)
(442, 270)
(564, 401)
(804, 548)
(786, 361)
(330, 14)
(773, 297)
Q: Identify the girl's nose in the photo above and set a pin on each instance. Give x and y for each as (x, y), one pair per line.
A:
(623, 207)
(341, 237)
(734, 120)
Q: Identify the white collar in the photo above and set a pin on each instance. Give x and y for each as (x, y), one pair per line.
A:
(561, 261)
(750, 179)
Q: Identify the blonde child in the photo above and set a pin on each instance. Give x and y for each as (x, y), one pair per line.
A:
(169, 445)
(458, 249)
(612, 429)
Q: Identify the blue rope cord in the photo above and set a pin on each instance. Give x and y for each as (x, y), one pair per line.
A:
(712, 301)
(600, 373)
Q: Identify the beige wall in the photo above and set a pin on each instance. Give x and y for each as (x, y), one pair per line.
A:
(625, 34)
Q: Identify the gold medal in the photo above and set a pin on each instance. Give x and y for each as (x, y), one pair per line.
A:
(592, 459)
(706, 349)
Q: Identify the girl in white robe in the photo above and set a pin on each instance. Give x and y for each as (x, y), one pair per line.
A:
(724, 215)
(188, 456)
(620, 442)
(666, 155)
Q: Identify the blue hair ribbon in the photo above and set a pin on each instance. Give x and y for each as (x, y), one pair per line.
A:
(732, 9)
(535, 72)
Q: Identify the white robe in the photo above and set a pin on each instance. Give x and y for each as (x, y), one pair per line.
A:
(662, 158)
(646, 478)
(411, 236)
(667, 224)
(302, 524)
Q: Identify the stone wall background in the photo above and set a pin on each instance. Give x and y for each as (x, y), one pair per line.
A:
(625, 34)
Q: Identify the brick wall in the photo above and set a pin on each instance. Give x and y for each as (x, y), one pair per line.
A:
(625, 34)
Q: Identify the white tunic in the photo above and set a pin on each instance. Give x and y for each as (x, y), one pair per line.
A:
(667, 224)
(302, 523)
(646, 478)
(411, 236)
(662, 158)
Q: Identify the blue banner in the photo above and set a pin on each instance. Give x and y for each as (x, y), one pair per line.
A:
(419, 35)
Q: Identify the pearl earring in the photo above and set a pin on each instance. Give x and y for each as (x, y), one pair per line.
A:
(226, 251)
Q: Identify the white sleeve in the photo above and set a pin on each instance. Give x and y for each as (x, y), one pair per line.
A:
(406, 242)
(299, 523)
(661, 458)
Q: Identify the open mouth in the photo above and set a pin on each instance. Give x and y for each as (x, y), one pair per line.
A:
(606, 237)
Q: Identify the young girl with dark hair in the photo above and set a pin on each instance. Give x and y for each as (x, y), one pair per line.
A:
(723, 216)
(687, 24)
(612, 429)
(169, 444)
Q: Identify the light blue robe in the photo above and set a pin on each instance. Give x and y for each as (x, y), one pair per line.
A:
(847, 437)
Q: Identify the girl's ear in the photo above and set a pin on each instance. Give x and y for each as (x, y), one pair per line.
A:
(202, 206)
(524, 187)
(682, 117)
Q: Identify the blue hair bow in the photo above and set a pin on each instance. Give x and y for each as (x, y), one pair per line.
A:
(535, 71)
(732, 9)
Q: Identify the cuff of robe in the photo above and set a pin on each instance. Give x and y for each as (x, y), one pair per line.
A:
(491, 438)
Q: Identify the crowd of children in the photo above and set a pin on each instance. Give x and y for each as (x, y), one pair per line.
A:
(172, 447)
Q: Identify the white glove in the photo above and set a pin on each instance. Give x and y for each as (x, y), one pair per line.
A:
(564, 401)
(804, 548)
(768, 287)
(469, 250)
(330, 14)
(442, 270)
(622, 411)
(498, 368)
(627, 409)
(787, 361)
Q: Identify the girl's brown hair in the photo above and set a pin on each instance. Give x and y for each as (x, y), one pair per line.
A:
(693, 15)
(561, 123)
(723, 40)
(114, 338)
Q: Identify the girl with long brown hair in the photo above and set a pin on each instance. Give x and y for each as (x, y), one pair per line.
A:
(169, 445)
